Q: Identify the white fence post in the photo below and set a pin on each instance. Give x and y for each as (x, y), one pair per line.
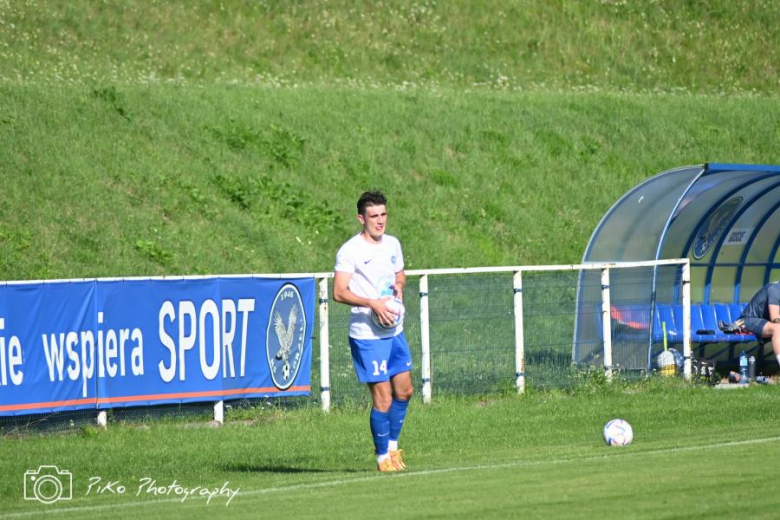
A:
(219, 412)
(686, 303)
(425, 342)
(324, 347)
(102, 419)
(519, 339)
(606, 323)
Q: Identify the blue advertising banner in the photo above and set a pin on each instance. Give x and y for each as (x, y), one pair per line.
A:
(112, 343)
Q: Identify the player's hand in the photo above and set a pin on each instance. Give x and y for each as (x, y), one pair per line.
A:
(386, 316)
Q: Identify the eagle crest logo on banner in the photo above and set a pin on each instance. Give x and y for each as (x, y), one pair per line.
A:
(285, 337)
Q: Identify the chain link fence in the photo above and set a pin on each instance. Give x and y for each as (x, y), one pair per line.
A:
(473, 340)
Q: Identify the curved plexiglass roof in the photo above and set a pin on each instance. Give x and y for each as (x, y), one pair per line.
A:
(724, 217)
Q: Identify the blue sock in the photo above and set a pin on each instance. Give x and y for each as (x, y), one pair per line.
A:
(397, 416)
(380, 430)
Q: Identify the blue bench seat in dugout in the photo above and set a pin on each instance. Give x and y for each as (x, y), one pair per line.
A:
(632, 321)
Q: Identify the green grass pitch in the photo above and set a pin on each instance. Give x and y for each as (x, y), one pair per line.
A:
(697, 452)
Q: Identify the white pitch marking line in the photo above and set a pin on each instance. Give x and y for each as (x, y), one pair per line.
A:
(503, 465)
(339, 482)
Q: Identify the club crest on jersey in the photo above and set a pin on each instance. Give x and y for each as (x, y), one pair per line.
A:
(392, 259)
(285, 336)
(715, 225)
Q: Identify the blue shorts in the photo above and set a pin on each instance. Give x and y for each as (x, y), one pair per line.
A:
(378, 360)
(755, 325)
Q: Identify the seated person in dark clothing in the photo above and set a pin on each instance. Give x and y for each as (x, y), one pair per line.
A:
(762, 315)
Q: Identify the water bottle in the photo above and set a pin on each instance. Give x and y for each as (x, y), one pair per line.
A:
(752, 368)
(743, 368)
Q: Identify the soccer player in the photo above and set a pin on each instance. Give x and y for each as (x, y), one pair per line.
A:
(762, 315)
(369, 271)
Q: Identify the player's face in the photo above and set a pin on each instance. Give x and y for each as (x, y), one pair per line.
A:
(374, 221)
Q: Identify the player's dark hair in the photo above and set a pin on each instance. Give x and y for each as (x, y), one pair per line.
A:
(370, 198)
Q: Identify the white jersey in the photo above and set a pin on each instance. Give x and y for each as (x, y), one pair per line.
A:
(373, 268)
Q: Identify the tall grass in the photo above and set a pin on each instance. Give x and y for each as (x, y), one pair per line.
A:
(659, 45)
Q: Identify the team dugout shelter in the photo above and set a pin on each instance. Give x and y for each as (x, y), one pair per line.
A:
(725, 218)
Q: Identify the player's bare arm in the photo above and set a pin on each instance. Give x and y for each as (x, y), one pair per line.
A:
(398, 286)
(342, 294)
(774, 313)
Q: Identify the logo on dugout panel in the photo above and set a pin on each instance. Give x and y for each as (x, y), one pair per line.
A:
(286, 336)
(712, 228)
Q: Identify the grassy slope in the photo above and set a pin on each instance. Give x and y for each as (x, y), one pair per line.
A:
(141, 138)
(133, 180)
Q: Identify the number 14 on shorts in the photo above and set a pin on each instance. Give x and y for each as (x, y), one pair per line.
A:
(378, 360)
(380, 367)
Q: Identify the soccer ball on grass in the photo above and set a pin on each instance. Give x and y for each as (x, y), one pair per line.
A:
(618, 432)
